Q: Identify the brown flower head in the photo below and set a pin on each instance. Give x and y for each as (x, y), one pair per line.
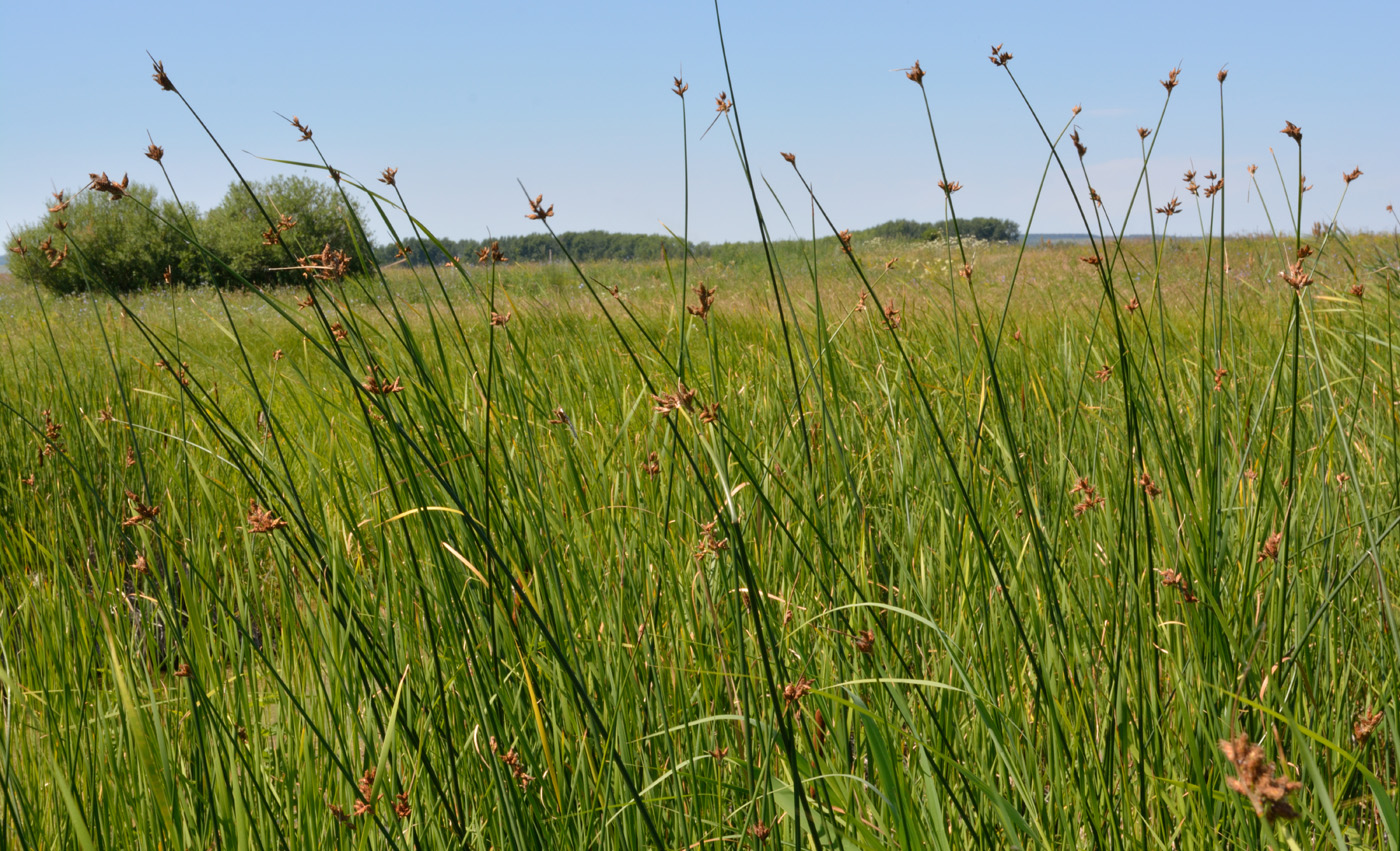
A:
(1221, 75)
(537, 210)
(1256, 781)
(1092, 261)
(1270, 550)
(949, 188)
(154, 152)
(1000, 57)
(301, 128)
(845, 237)
(1295, 277)
(709, 414)
(794, 692)
(1292, 131)
(723, 103)
(916, 73)
(680, 88)
(1366, 724)
(144, 513)
(1170, 82)
(1142, 132)
(792, 158)
(19, 248)
(1355, 173)
(1133, 304)
(61, 204)
(683, 398)
(160, 76)
(707, 298)
(261, 520)
(499, 320)
(387, 177)
(1074, 137)
(1149, 487)
(1358, 290)
(1173, 579)
(102, 183)
(652, 466)
(401, 808)
(892, 318)
(760, 831)
(865, 642)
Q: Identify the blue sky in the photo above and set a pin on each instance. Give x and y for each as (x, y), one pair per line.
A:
(574, 100)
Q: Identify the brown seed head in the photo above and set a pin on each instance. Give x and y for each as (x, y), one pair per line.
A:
(154, 152)
(680, 88)
(723, 103)
(758, 830)
(1295, 277)
(102, 183)
(1074, 137)
(1256, 781)
(1221, 75)
(1142, 132)
(388, 176)
(1092, 261)
(792, 158)
(1270, 550)
(1076, 110)
(1366, 724)
(949, 188)
(845, 237)
(1355, 173)
(1000, 57)
(1292, 131)
(1170, 82)
(537, 210)
(892, 318)
(1171, 208)
(916, 73)
(1133, 304)
(61, 205)
(865, 641)
(302, 128)
(500, 319)
(261, 520)
(1252, 169)
(160, 77)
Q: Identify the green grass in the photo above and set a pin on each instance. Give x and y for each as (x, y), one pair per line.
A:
(903, 587)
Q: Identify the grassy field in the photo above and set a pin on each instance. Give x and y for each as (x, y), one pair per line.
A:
(1091, 546)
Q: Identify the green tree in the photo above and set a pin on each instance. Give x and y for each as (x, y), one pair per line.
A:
(95, 242)
(236, 232)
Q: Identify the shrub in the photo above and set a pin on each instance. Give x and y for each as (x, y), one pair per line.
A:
(116, 245)
(235, 230)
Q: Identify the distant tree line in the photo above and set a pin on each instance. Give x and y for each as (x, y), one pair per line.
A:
(977, 227)
(585, 246)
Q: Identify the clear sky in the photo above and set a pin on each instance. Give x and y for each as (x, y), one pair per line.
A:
(573, 99)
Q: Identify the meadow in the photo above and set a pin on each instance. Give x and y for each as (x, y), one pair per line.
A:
(813, 544)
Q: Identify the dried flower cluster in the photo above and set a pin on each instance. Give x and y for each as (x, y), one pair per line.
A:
(1173, 579)
(537, 210)
(1292, 131)
(793, 694)
(1149, 487)
(865, 641)
(512, 761)
(683, 398)
(1366, 724)
(916, 73)
(892, 317)
(261, 520)
(708, 542)
(706, 295)
(102, 183)
(491, 254)
(330, 264)
(160, 77)
(1295, 277)
(144, 513)
(1170, 82)
(387, 176)
(1270, 550)
(1267, 793)
(723, 103)
(680, 88)
(1000, 57)
(372, 384)
(652, 466)
(1092, 499)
